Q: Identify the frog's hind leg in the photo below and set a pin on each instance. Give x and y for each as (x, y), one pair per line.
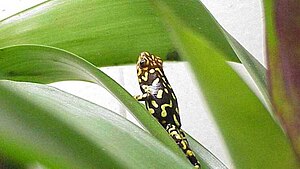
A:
(179, 137)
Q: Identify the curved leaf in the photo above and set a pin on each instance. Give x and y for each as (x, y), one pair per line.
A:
(48, 64)
(104, 32)
(70, 132)
(194, 15)
(256, 70)
(253, 138)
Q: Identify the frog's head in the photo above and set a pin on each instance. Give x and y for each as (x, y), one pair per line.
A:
(147, 60)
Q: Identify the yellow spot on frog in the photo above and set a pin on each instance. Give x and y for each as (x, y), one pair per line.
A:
(166, 90)
(163, 108)
(145, 53)
(183, 143)
(155, 82)
(171, 128)
(139, 72)
(160, 93)
(138, 97)
(164, 113)
(151, 71)
(151, 111)
(145, 77)
(189, 153)
(173, 96)
(145, 95)
(174, 133)
(176, 120)
(153, 102)
(158, 69)
(146, 88)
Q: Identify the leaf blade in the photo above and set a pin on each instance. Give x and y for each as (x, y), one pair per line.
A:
(48, 64)
(282, 34)
(235, 117)
(62, 134)
(105, 32)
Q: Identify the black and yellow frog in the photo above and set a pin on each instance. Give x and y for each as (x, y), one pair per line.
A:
(160, 100)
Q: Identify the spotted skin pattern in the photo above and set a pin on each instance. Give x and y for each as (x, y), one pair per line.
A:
(161, 101)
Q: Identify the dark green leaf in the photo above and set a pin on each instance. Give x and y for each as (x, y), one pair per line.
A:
(104, 32)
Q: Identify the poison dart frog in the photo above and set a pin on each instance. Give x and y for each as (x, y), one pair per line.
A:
(160, 100)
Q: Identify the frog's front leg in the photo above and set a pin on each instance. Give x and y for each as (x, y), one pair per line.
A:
(142, 97)
(146, 93)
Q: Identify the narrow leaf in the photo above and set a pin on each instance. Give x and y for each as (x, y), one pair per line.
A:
(256, 70)
(204, 155)
(283, 46)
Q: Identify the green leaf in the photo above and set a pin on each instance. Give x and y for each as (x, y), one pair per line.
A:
(283, 46)
(256, 70)
(208, 160)
(104, 32)
(194, 15)
(70, 132)
(50, 64)
(253, 138)
(47, 64)
(9, 163)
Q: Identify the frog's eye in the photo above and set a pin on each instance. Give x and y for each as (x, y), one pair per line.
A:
(143, 63)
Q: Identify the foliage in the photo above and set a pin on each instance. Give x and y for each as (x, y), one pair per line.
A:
(73, 133)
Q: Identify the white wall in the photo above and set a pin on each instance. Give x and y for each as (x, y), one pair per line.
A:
(241, 18)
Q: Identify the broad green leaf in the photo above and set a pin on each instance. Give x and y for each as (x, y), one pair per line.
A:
(70, 132)
(283, 46)
(195, 16)
(47, 64)
(104, 32)
(253, 138)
